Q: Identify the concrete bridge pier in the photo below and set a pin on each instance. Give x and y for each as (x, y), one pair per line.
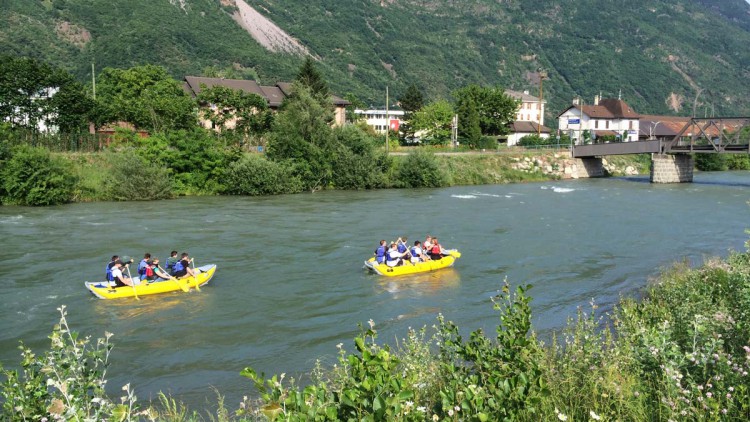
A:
(589, 167)
(671, 168)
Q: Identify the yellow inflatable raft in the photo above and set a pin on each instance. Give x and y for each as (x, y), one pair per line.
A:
(103, 290)
(409, 268)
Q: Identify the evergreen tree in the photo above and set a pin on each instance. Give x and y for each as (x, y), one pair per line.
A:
(309, 76)
(411, 102)
(469, 131)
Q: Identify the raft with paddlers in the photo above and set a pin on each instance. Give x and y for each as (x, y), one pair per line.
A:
(448, 260)
(106, 289)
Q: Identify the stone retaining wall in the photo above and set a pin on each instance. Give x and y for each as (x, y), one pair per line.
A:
(563, 166)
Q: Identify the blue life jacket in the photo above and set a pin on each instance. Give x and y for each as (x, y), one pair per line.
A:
(401, 248)
(380, 254)
(170, 264)
(178, 266)
(109, 272)
(142, 268)
(413, 251)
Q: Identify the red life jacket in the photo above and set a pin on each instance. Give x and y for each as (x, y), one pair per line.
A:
(149, 271)
(436, 249)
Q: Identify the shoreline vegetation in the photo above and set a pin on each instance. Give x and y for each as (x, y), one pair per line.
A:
(680, 353)
(165, 166)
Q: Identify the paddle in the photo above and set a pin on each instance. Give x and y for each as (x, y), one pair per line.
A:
(184, 288)
(197, 287)
(135, 292)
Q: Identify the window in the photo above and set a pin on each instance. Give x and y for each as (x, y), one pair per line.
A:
(596, 124)
(631, 125)
(607, 124)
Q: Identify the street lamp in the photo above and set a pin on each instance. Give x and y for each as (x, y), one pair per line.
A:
(652, 130)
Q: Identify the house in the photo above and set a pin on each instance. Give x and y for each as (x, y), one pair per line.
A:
(380, 120)
(274, 95)
(37, 114)
(529, 117)
(606, 117)
(531, 109)
(664, 128)
(519, 129)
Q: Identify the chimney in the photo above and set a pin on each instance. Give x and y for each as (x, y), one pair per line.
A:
(526, 92)
(596, 100)
(575, 101)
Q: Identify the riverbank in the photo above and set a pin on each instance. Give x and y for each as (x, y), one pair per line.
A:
(95, 170)
(681, 353)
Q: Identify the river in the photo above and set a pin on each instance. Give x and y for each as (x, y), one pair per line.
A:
(290, 284)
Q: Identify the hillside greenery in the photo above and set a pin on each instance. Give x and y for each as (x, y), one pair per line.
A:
(662, 56)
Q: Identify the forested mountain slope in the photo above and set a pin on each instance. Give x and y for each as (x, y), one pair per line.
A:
(663, 56)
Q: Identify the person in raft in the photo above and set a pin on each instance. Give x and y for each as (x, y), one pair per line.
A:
(171, 261)
(154, 272)
(395, 258)
(182, 267)
(381, 252)
(417, 254)
(143, 265)
(436, 251)
(118, 278)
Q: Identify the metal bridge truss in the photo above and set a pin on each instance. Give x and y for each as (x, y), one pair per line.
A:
(711, 135)
(726, 135)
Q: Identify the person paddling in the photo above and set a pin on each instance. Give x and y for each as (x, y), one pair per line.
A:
(381, 252)
(171, 261)
(119, 279)
(182, 267)
(154, 272)
(395, 258)
(417, 254)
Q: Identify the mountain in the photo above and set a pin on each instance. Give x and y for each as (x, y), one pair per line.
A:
(660, 56)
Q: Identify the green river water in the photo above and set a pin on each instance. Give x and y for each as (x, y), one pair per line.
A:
(290, 284)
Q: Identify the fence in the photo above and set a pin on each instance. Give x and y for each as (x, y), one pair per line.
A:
(60, 142)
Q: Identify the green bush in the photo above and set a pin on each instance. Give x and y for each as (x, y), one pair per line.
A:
(738, 162)
(65, 383)
(133, 179)
(421, 169)
(255, 175)
(532, 140)
(356, 162)
(32, 176)
(487, 142)
(711, 162)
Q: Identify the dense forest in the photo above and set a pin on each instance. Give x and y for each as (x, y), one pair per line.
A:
(661, 56)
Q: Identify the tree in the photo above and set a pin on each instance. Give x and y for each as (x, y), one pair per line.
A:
(301, 134)
(145, 96)
(435, 119)
(496, 109)
(309, 76)
(236, 111)
(33, 92)
(468, 121)
(410, 102)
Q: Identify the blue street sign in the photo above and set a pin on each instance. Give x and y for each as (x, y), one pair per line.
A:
(574, 121)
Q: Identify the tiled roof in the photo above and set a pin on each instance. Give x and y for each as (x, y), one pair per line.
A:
(523, 96)
(273, 94)
(196, 83)
(528, 127)
(608, 108)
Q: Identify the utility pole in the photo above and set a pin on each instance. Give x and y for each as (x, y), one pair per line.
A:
(93, 79)
(387, 121)
(542, 76)
(454, 131)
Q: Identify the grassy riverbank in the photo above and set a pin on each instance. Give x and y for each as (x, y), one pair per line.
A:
(681, 353)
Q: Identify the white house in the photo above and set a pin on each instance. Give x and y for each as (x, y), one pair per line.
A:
(606, 117)
(531, 109)
(42, 120)
(378, 121)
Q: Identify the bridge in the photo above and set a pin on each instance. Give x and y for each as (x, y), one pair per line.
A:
(671, 159)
